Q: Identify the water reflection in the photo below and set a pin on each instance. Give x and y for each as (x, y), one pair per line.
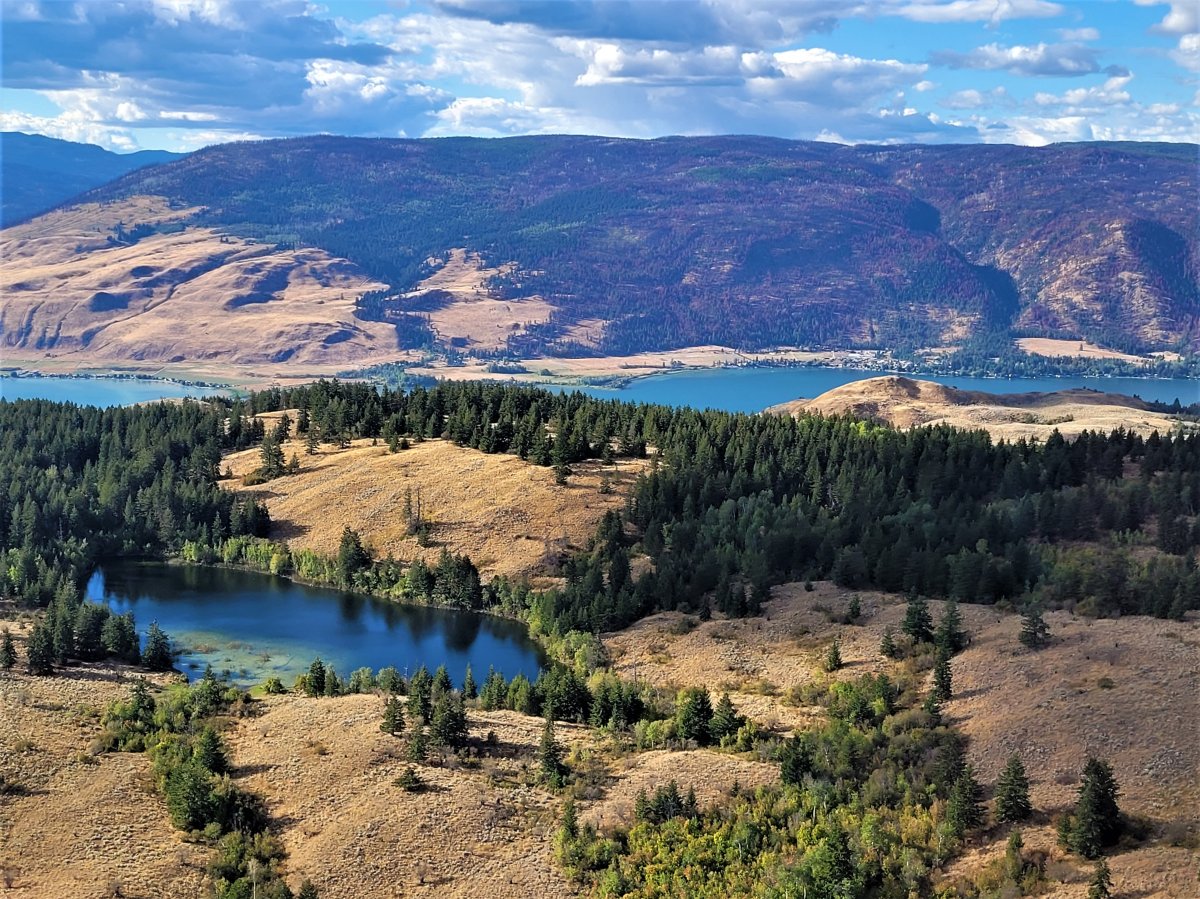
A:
(257, 625)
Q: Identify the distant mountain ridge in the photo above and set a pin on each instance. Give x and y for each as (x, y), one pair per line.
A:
(604, 246)
(37, 173)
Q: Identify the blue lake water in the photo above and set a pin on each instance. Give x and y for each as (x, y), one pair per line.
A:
(754, 389)
(97, 391)
(257, 625)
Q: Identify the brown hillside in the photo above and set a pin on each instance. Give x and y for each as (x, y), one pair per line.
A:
(74, 824)
(508, 515)
(71, 292)
(906, 402)
(1050, 706)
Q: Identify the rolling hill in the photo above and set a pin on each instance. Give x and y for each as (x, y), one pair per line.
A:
(906, 402)
(37, 173)
(577, 246)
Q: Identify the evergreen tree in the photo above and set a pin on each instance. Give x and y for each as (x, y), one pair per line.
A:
(449, 724)
(1014, 861)
(393, 716)
(39, 650)
(1034, 632)
(8, 652)
(420, 695)
(950, 636)
(1100, 886)
(725, 720)
(441, 681)
(315, 684)
(1097, 822)
(833, 657)
(333, 684)
(311, 442)
(157, 653)
(854, 610)
(209, 751)
(918, 623)
(271, 454)
(418, 744)
(1012, 793)
(693, 712)
(964, 808)
(942, 680)
(307, 890)
(470, 688)
(887, 646)
(352, 555)
(550, 756)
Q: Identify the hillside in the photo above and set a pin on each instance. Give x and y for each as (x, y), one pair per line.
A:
(905, 403)
(37, 173)
(592, 246)
(1123, 689)
(507, 514)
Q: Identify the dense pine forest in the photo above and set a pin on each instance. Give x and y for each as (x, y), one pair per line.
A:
(733, 504)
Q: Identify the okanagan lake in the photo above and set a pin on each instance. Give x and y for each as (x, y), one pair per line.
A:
(98, 391)
(255, 625)
(752, 389)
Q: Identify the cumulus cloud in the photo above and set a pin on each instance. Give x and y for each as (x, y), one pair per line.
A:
(991, 11)
(1079, 34)
(1183, 16)
(1068, 59)
(974, 99)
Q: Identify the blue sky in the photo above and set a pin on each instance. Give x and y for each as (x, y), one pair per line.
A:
(179, 74)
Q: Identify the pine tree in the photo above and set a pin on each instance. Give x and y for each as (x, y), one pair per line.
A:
(693, 712)
(1012, 793)
(942, 680)
(39, 650)
(1100, 886)
(449, 724)
(887, 646)
(8, 652)
(918, 623)
(550, 756)
(311, 442)
(315, 685)
(441, 681)
(833, 657)
(1034, 632)
(209, 752)
(418, 744)
(950, 636)
(393, 716)
(725, 721)
(1097, 822)
(157, 654)
(307, 890)
(470, 688)
(964, 809)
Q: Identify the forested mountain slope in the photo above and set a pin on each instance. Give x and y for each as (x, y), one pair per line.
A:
(37, 172)
(615, 246)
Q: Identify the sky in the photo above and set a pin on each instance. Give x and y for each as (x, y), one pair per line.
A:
(181, 74)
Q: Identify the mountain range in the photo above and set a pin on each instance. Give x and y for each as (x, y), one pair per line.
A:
(37, 173)
(348, 249)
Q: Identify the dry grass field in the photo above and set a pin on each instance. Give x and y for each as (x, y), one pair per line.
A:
(508, 515)
(1126, 690)
(1077, 349)
(78, 825)
(905, 403)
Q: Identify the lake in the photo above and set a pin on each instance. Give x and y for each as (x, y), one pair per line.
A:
(97, 391)
(257, 625)
(754, 389)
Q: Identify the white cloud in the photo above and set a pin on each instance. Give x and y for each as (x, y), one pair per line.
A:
(974, 99)
(1183, 17)
(992, 11)
(1188, 52)
(1111, 93)
(1038, 59)
(1079, 34)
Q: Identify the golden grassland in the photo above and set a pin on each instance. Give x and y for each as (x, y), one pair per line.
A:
(1127, 690)
(506, 514)
(905, 403)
